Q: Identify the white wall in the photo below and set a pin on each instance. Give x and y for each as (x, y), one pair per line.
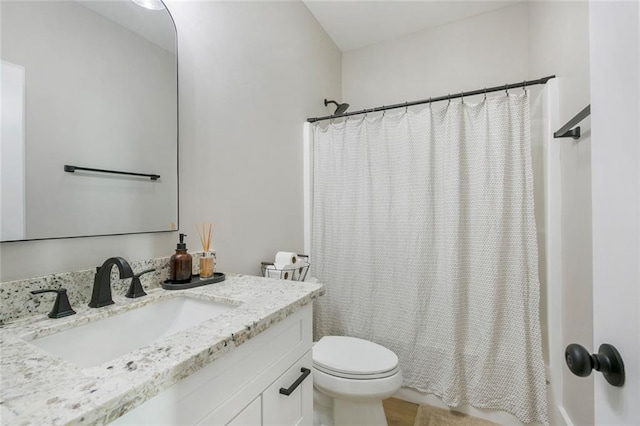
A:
(524, 41)
(485, 50)
(249, 74)
(559, 44)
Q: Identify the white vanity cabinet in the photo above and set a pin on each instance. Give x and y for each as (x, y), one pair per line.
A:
(293, 409)
(251, 415)
(242, 388)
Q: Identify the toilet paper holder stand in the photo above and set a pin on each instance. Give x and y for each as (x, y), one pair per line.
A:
(299, 273)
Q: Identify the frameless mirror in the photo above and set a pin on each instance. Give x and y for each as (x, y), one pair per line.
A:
(87, 85)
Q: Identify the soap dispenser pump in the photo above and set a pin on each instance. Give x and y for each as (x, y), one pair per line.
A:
(180, 263)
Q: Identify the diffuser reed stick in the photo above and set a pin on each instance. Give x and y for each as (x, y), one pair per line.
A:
(205, 237)
(200, 236)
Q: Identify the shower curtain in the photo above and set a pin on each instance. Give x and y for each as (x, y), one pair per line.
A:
(423, 234)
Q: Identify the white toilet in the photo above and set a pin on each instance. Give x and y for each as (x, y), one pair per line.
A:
(351, 377)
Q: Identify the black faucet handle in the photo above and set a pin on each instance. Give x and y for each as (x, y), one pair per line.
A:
(61, 307)
(135, 288)
(139, 274)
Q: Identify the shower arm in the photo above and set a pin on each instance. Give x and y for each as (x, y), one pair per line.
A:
(326, 103)
(340, 108)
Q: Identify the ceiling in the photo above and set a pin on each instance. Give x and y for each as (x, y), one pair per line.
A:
(359, 23)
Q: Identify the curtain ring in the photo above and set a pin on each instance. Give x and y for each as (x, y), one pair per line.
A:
(485, 93)
(384, 111)
(524, 86)
(462, 93)
(449, 96)
(506, 89)
(406, 107)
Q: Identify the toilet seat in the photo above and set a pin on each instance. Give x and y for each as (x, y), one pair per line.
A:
(357, 376)
(353, 358)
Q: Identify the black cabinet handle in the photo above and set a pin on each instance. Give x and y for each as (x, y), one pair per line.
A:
(608, 361)
(288, 391)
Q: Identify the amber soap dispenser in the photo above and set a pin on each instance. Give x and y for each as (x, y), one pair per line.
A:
(180, 263)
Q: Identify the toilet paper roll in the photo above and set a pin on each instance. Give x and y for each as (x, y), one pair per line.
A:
(288, 272)
(284, 258)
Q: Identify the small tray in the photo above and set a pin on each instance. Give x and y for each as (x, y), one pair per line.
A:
(196, 281)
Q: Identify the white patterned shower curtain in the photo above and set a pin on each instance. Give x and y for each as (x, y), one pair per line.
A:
(423, 234)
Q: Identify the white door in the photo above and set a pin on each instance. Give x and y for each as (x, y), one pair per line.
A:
(13, 202)
(615, 139)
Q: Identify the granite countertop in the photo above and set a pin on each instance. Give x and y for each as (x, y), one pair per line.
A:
(39, 388)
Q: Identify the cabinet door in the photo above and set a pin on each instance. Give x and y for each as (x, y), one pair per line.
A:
(250, 416)
(293, 409)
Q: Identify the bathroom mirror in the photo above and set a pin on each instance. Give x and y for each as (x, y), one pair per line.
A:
(90, 84)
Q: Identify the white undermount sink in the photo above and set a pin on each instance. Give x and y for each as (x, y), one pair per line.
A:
(106, 339)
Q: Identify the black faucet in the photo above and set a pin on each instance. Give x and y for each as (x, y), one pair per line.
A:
(101, 295)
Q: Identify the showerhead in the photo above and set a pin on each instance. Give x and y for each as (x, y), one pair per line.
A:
(340, 108)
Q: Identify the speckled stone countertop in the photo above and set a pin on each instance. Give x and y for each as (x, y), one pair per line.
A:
(39, 388)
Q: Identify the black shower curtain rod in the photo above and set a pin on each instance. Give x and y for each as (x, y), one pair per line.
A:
(525, 83)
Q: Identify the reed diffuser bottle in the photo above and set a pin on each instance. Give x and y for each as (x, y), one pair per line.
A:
(180, 263)
(208, 259)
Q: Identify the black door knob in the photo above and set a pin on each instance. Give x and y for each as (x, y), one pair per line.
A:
(608, 361)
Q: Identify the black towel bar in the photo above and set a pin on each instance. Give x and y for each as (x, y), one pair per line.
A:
(71, 169)
(567, 131)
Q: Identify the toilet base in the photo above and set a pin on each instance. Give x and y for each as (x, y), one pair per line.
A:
(328, 411)
(366, 413)
(322, 409)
